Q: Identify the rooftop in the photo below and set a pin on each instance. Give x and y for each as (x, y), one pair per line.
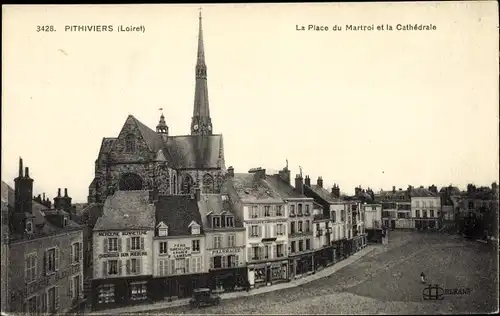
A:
(213, 203)
(177, 212)
(251, 188)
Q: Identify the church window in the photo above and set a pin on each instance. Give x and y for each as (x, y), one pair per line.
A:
(130, 182)
(130, 143)
(187, 185)
(208, 184)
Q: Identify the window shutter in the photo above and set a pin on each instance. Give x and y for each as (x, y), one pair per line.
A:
(142, 243)
(187, 265)
(249, 231)
(71, 287)
(45, 265)
(119, 244)
(104, 268)
(105, 245)
(57, 258)
(56, 298)
(249, 254)
(259, 231)
(139, 266)
(129, 243)
(172, 266)
(224, 261)
(120, 268)
(268, 231)
(127, 268)
(72, 253)
(81, 253)
(275, 251)
(237, 259)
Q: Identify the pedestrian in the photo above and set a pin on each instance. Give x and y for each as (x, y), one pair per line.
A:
(422, 277)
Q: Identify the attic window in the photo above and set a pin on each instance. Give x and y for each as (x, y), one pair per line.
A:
(224, 197)
(229, 221)
(195, 230)
(216, 222)
(162, 229)
(29, 227)
(65, 221)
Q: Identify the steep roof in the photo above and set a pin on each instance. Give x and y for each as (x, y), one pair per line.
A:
(177, 212)
(250, 188)
(127, 210)
(152, 138)
(7, 194)
(196, 151)
(91, 213)
(323, 194)
(422, 192)
(283, 188)
(214, 203)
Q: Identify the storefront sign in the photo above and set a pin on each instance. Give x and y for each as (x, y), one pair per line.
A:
(267, 222)
(225, 250)
(180, 251)
(127, 233)
(109, 255)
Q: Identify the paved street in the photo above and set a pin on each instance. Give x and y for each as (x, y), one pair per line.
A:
(385, 281)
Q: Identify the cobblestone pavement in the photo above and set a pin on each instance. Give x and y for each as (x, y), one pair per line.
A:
(385, 282)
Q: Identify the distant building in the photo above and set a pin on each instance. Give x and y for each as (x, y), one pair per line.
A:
(425, 208)
(373, 222)
(122, 245)
(264, 216)
(396, 208)
(324, 253)
(45, 261)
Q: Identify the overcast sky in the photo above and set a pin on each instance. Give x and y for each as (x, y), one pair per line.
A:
(370, 108)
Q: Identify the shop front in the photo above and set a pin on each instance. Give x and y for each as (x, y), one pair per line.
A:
(347, 247)
(111, 293)
(228, 279)
(324, 257)
(267, 273)
(301, 265)
(176, 287)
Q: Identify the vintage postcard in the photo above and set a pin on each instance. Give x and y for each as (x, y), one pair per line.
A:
(322, 158)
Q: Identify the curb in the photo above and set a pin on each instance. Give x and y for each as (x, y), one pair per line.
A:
(185, 302)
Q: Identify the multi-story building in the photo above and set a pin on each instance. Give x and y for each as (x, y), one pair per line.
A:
(264, 216)
(44, 264)
(300, 220)
(425, 208)
(122, 240)
(225, 250)
(396, 208)
(373, 222)
(333, 207)
(324, 253)
(179, 256)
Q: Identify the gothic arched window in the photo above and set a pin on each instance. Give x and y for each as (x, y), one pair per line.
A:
(187, 185)
(208, 184)
(130, 143)
(173, 190)
(130, 182)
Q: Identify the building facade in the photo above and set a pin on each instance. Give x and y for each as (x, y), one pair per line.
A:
(140, 158)
(396, 208)
(45, 262)
(425, 208)
(226, 254)
(300, 224)
(324, 252)
(122, 246)
(373, 222)
(179, 248)
(264, 216)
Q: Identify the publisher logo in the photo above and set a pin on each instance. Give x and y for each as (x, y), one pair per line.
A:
(434, 292)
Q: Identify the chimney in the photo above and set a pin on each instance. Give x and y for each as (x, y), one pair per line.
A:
(393, 189)
(259, 172)
(319, 182)
(20, 167)
(43, 197)
(65, 192)
(357, 190)
(285, 175)
(308, 181)
(230, 172)
(57, 200)
(59, 192)
(27, 172)
(299, 184)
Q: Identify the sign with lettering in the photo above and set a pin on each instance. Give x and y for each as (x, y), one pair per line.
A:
(180, 250)
(267, 222)
(225, 250)
(109, 255)
(127, 233)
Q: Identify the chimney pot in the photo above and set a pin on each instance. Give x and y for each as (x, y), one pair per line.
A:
(308, 181)
(319, 182)
(20, 167)
(230, 171)
(65, 192)
(59, 192)
(27, 172)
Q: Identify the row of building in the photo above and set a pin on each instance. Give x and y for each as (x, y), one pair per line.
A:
(257, 231)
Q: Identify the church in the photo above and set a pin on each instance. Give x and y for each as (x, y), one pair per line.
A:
(141, 158)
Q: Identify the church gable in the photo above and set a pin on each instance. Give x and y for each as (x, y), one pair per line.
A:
(131, 143)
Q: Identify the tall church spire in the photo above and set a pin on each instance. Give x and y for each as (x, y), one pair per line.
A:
(201, 124)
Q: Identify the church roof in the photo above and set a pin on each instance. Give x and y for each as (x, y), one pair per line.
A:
(177, 212)
(195, 152)
(127, 210)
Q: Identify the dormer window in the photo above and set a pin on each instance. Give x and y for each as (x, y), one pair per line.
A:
(229, 221)
(29, 227)
(224, 197)
(195, 228)
(162, 229)
(216, 222)
(65, 221)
